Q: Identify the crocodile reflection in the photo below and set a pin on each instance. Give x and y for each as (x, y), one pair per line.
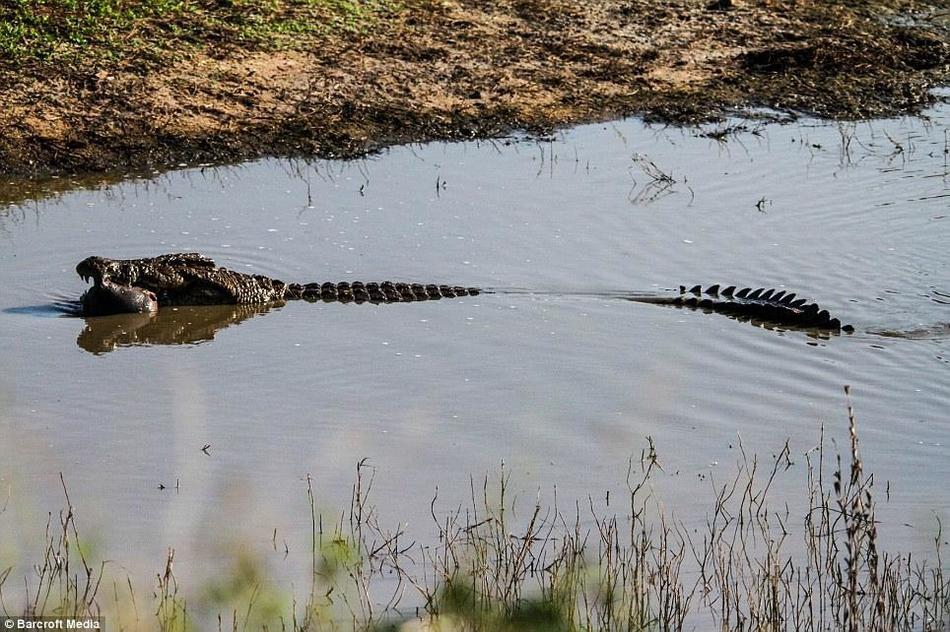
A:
(938, 331)
(172, 326)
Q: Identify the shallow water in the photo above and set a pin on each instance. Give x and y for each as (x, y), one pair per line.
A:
(562, 383)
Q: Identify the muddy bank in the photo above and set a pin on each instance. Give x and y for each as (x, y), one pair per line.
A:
(196, 82)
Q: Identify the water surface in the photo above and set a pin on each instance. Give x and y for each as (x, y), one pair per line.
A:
(562, 383)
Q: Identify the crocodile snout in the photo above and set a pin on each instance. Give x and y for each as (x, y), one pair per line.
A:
(93, 268)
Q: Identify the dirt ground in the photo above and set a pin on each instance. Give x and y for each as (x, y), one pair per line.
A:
(459, 69)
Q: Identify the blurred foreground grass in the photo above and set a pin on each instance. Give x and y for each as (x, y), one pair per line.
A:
(498, 565)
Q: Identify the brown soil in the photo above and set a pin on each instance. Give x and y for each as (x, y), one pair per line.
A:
(460, 69)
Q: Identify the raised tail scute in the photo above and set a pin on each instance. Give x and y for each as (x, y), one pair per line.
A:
(779, 307)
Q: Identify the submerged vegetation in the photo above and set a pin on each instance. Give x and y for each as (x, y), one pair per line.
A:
(496, 566)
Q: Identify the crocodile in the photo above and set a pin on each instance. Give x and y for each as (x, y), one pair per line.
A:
(145, 285)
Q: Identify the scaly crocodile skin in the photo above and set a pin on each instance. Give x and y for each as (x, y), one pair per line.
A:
(193, 279)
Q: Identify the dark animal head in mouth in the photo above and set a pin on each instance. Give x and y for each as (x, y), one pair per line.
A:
(106, 297)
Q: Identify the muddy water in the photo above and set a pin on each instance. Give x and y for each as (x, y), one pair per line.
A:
(563, 383)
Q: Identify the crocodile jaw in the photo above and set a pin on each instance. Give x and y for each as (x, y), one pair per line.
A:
(106, 297)
(93, 268)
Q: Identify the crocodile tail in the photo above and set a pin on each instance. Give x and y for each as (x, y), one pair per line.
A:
(373, 292)
(776, 306)
(767, 305)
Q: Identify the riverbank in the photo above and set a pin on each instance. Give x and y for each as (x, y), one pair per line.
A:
(112, 85)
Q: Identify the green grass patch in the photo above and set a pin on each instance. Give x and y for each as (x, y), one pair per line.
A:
(54, 30)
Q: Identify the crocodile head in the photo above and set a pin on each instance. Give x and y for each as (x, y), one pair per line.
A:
(96, 269)
(107, 297)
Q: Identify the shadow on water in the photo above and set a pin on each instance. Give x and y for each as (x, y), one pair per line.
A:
(57, 309)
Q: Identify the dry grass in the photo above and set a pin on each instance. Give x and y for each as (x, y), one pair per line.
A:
(494, 568)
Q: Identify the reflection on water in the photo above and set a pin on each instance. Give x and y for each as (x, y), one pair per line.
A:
(939, 331)
(169, 326)
(194, 324)
(197, 324)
